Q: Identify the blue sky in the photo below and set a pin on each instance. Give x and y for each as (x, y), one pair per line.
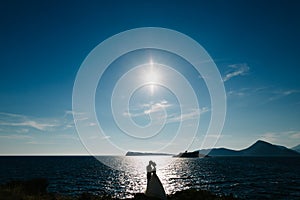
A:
(255, 46)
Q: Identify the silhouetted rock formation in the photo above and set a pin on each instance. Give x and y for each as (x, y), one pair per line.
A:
(194, 154)
(260, 148)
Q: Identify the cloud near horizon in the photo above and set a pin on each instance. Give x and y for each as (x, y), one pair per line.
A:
(13, 121)
(280, 137)
(16, 137)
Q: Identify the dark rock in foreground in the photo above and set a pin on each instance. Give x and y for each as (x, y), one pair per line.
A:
(191, 194)
(199, 195)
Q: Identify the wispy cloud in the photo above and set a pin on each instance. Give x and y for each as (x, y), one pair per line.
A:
(32, 124)
(15, 137)
(247, 91)
(80, 116)
(11, 115)
(146, 109)
(22, 130)
(263, 94)
(236, 70)
(22, 123)
(157, 107)
(83, 117)
(289, 138)
(277, 94)
(192, 114)
(92, 124)
(239, 92)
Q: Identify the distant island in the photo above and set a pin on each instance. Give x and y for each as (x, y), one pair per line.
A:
(259, 148)
(193, 154)
(131, 153)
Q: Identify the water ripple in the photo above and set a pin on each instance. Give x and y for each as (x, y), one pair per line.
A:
(249, 178)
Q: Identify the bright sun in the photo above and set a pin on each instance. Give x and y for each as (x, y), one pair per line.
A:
(151, 76)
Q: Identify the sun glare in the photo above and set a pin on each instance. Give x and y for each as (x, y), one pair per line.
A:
(151, 76)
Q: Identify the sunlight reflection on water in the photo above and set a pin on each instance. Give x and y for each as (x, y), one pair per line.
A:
(173, 172)
(136, 163)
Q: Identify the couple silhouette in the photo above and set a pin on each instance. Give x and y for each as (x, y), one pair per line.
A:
(151, 169)
(154, 186)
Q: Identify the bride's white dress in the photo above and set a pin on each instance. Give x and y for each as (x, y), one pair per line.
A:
(155, 188)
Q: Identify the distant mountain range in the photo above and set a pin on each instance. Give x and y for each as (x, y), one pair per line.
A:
(260, 148)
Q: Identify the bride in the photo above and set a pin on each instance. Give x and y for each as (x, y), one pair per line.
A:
(154, 186)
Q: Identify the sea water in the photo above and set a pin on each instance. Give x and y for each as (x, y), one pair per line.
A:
(244, 177)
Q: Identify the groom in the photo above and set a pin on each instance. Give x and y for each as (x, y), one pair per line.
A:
(154, 186)
(151, 168)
